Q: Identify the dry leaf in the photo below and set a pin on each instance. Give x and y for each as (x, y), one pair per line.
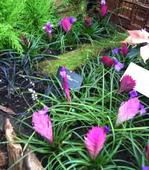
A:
(14, 149)
(7, 110)
(31, 162)
(3, 159)
(137, 37)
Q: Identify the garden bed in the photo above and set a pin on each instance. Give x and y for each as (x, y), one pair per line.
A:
(65, 102)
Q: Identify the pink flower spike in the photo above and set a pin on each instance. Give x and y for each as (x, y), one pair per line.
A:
(128, 110)
(94, 140)
(126, 84)
(66, 24)
(107, 61)
(104, 10)
(63, 74)
(42, 124)
(124, 49)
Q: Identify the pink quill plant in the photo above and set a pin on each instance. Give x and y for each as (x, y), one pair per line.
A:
(124, 49)
(127, 84)
(65, 84)
(67, 22)
(128, 110)
(95, 139)
(104, 8)
(133, 94)
(107, 61)
(42, 124)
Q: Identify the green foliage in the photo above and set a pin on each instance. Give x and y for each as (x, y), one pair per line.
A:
(96, 103)
(9, 37)
(27, 16)
(83, 54)
(10, 15)
(36, 14)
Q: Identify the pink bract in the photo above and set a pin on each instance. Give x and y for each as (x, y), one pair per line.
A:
(107, 61)
(42, 124)
(127, 84)
(128, 110)
(104, 10)
(94, 140)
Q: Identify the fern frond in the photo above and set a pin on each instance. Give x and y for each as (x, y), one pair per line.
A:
(9, 38)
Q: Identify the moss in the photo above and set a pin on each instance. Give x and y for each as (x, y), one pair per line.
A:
(79, 56)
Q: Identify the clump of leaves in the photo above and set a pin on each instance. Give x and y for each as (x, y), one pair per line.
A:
(21, 16)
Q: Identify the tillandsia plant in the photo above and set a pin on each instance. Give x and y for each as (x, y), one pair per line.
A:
(101, 125)
(28, 17)
(74, 135)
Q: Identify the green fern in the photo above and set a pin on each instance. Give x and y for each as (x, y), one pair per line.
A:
(23, 16)
(9, 38)
(37, 13)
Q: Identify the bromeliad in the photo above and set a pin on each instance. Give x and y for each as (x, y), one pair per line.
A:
(95, 139)
(65, 84)
(104, 8)
(67, 22)
(42, 124)
(127, 84)
(128, 110)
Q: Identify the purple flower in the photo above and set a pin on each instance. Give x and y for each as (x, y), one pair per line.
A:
(145, 168)
(117, 65)
(72, 20)
(142, 109)
(133, 93)
(115, 51)
(66, 23)
(48, 28)
(107, 129)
